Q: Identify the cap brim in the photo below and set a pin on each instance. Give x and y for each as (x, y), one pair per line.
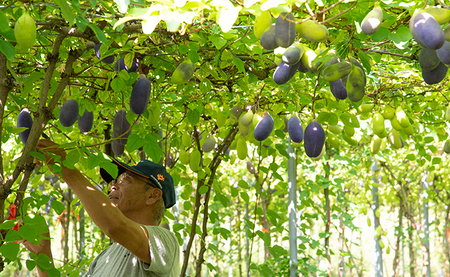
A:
(122, 168)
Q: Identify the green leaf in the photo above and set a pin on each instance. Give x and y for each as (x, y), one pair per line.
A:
(350, 119)
(203, 189)
(28, 232)
(177, 227)
(4, 22)
(8, 224)
(239, 64)
(72, 158)
(57, 206)
(331, 118)
(19, 100)
(10, 250)
(382, 34)
(30, 264)
(12, 235)
(436, 160)
(193, 56)
(365, 60)
(93, 161)
(7, 49)
(225, 233)
(99, 33)
(401, 37)
(152, 149)
(66, 11)
(245, 197)
(42, 199)
(110, 168)
(118, 84)
(134, 142)
(217, 41)
(411, 157)
(193, 116)
(243, 184)
(82, 23)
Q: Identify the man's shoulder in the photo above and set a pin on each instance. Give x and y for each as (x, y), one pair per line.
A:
(159, 231)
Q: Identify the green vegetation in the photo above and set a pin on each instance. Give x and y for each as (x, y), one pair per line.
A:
(233, 194)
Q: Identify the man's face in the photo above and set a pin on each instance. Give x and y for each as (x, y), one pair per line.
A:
(129, 192)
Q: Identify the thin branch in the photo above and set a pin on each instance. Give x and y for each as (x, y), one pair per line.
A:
(411, 57)
(339, 14)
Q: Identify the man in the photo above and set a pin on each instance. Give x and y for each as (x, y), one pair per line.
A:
(129, 215)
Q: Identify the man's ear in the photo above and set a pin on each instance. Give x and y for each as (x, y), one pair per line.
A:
(154, 195)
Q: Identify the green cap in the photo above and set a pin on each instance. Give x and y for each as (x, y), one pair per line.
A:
(150, 170)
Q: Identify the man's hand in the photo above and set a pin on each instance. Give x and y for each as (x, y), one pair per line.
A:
(47, 147)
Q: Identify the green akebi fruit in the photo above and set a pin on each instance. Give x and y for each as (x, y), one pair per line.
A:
(293, 54)
(447, 146)
(186, 139)
(356, 81)
(184, 157)
(333, 140)
(441, 15)
(247, 118)
(268, 40)
(194, 162)
(372, 21)
(388, 112)
(349, 140)
(375, 145)
(221, 119)
(447, 113)
(378, 124)
(307, 58)
(241, 148)
(401, 117)
(335, 129)
(336, 71)
(395, 139)
(312, 31)
(262, 23)
(409, 130)
(25, 31)
(366, 107)
(183, 72)
(349, 130)
(395, 124)
(285, 30)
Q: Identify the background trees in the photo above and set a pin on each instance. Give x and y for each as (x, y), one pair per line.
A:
(232, 199)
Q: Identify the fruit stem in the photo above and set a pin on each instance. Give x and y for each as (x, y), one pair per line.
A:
(314, 97)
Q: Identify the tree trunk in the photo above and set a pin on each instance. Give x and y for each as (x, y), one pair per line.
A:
(396, 261)
(445, 238)
(341, 264)
(412, 256)
(327, 230)
(426, 269)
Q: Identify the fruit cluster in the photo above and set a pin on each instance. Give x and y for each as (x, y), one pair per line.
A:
(70, 113)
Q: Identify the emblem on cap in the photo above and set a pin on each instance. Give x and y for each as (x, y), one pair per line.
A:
(160, 177)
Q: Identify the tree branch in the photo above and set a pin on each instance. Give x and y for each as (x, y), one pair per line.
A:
(411, 57)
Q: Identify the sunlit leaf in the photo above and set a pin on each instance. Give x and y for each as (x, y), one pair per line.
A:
(226, 18)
